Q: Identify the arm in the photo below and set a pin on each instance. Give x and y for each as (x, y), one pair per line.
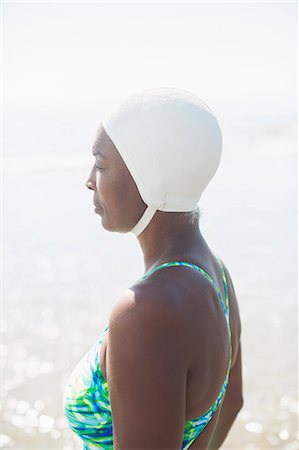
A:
(146, 375)
(232, 404)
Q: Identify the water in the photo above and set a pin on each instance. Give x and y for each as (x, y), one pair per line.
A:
(63, 271)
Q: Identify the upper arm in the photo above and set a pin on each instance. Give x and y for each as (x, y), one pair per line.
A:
(147, 383)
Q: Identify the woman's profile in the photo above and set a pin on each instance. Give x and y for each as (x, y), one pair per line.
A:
(166, 371)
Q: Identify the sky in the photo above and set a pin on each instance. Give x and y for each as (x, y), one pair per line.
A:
(238, 56)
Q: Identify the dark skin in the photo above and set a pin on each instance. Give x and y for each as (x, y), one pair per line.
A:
(157, 379)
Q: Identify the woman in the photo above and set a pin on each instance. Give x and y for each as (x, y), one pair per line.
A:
(166, 370)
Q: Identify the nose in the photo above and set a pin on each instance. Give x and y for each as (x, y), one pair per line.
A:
(90, 183)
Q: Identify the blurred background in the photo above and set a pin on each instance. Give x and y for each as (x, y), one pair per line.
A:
(64, 64)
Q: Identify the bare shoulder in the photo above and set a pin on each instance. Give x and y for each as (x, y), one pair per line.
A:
(162, 309)
(144, 312)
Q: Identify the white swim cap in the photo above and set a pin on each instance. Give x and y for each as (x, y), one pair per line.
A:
(171, 143)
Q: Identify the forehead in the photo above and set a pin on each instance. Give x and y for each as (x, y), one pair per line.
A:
(103, 146)
(99, 147)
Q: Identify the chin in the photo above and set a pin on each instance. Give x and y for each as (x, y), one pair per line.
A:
(113, 229)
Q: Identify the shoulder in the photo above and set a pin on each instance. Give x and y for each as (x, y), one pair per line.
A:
(146, 314)
(165, 297)
(159, 310)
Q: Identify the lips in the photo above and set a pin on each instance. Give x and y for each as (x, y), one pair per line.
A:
(98, 211)
(97, 208)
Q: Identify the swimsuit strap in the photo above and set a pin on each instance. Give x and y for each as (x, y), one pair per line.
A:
(225, 303)
(224, 281)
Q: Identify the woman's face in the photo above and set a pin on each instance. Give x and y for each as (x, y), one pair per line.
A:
(115, 191)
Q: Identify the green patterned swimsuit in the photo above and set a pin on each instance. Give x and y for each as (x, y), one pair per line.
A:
(86, 397)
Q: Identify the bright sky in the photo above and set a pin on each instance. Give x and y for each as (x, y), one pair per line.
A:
(72, 54)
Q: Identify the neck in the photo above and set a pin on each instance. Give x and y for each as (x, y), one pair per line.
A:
(168, 236)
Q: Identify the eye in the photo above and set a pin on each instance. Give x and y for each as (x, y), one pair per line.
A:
(98, 168)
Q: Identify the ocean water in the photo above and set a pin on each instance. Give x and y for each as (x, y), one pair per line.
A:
(62, 272)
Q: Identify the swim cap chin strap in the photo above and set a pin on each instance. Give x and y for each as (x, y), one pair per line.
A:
(144, 220)
(147, 216)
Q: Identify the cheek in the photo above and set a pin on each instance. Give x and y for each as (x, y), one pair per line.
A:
(110, 187)
(98, 181)
(102, 181)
